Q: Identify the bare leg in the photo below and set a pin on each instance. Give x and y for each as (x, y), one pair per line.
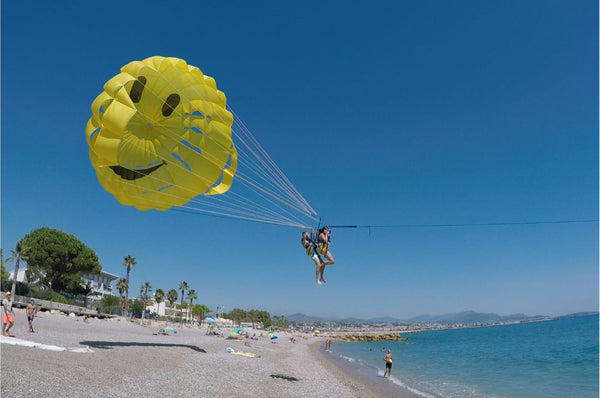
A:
(318, 270)
(329, 258)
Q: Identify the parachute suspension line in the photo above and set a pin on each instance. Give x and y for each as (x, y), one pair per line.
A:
(260, 164)
(263, 157)
(239, 204)
(275, 190)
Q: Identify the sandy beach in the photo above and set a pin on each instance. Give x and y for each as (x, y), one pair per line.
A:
(67, 357)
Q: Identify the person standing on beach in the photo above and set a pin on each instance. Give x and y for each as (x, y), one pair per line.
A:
(7, 314)
(30, 310)
(387, 358)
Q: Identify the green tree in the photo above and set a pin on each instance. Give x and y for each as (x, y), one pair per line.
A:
(280, 322)
(237, 315)
(191, 296)
(144, 293)
(86, 291)
(3, 273)
(200, 310)
(15, 255)
(183, 286)
(172, 297)
(137, 306)
(109, 305)
(128, 262)
(159, 297)
(58, 259)
(257, 316)
(122, 287)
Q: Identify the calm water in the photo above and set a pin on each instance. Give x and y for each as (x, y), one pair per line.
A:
(556, 358)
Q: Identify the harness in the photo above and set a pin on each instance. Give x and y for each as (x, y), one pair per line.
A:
(309, 247)
(323, 246)
(312, 248)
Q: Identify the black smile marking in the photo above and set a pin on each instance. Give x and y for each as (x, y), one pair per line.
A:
(129, 174)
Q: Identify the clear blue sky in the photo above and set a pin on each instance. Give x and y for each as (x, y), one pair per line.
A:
(427, 112)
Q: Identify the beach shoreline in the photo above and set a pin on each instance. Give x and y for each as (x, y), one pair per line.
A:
(119, 358)
(375, 384)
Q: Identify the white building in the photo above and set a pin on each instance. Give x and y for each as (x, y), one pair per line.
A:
(21, 277)
(101, 283)
(157, 308)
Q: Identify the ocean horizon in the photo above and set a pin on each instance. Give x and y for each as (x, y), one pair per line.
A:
(546, 359)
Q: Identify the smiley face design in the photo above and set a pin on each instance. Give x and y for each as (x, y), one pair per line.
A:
(160, 135)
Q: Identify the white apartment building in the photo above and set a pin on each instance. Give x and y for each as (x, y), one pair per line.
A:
(101, 283)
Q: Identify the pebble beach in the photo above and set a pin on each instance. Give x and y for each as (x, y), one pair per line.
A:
(67, 357)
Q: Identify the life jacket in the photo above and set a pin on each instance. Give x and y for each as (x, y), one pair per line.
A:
(323, 246)
(309, 246)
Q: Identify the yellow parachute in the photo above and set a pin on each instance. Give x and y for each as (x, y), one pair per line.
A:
(160, 134)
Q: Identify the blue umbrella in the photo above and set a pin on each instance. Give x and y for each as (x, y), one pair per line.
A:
(273, 338)
(209, 319)
(237, 330)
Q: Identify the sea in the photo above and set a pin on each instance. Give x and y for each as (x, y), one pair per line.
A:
(546, 359)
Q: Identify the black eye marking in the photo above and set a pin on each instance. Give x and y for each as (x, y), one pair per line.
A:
(137, 88)
(170, 104)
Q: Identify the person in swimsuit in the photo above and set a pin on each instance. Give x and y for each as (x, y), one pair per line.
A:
(388, 363)
(30, 310)
(311, 251)
(323, 245)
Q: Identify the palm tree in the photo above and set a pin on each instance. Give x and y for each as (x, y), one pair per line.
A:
(128, 262)
(122, 287)
(172, 297)
(183, 286)
(159, 296)
(191, 296)
(144, 293)
(15, 254)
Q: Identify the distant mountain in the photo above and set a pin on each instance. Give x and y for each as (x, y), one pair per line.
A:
(304, 318)
(466, 317)
(578, 314)
(469, 317)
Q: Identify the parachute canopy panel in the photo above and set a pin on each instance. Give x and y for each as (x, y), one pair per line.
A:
(160, 135)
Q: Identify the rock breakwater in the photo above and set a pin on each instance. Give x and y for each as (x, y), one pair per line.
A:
(365, 337)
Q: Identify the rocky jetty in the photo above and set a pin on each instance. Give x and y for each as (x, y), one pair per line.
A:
(365, 337)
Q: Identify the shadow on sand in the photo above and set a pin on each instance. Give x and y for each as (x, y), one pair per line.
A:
(284, 377)
(109, 345)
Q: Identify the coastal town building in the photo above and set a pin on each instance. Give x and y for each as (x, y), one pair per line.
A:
(100, 284)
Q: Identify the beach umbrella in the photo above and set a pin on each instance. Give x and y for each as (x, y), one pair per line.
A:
(169, 328)
(270, 334)
(273, 337)
(209, 319)
(239, 330)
